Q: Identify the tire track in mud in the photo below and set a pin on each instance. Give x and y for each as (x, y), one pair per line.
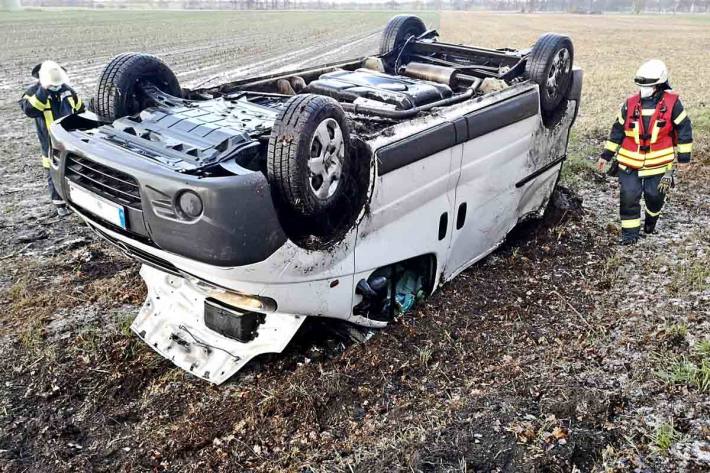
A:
(193, 64)
(350, 47)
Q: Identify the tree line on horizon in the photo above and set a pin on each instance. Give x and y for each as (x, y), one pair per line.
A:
(525, 6)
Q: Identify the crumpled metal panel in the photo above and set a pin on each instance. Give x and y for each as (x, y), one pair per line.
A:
(171, 321)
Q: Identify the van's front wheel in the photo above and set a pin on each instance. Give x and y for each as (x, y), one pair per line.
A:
(308, 162)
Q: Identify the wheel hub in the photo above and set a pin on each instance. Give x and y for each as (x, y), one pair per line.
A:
(325, 164)
(558, 69)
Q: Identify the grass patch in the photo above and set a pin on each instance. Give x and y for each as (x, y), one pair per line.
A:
(424, 355)
(689, 370)
(664, 436)
(611, 270)
(703, 349)
(701, 119)
(88, 341)
(32, 335)
(679, 331)
(579, 164)
(691, 277)
(42, 287)
(124, 325)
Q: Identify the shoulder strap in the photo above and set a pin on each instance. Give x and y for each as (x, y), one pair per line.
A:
(670, 99)
(633, 100)
(632, 104)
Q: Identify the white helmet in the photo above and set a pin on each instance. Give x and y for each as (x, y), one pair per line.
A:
(653, 72)
(52, 75)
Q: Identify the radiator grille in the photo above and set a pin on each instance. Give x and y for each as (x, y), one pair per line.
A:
(114, 185)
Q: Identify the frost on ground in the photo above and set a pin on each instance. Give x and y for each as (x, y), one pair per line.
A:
(654, 342)
(559, 351)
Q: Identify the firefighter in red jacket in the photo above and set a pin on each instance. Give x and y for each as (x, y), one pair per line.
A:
(49, 99)
(650, 133)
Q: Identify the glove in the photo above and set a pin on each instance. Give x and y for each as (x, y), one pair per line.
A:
(667, 181)
(613, 170)
(606, 155)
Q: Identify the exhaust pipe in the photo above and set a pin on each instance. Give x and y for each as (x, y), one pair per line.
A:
(432, 73)
(400, 114)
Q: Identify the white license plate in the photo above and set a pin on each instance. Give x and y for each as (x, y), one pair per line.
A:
(97, 205)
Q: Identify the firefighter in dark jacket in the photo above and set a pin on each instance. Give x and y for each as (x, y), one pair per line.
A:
(46, 101)
(651, 131)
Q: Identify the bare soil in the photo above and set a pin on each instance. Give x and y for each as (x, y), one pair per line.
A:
(547, 356)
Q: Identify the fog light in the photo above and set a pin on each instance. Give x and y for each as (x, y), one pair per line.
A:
(189, 204)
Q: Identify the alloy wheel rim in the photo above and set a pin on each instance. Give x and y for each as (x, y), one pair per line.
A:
(325, 163)
(558, 69)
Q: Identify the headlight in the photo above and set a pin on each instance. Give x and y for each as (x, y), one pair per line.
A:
(256, 303)
(189, 205)
(235, 299)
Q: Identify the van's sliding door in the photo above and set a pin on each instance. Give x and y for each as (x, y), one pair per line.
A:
(492, 161)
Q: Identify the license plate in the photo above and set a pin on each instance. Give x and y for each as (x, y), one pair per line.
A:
(97, 205)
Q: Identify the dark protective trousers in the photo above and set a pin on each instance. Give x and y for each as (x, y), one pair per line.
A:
(632, 187)
(56, 198)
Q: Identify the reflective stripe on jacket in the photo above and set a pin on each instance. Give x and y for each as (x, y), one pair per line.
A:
(648, 133)
(648, 147)
(46, 107)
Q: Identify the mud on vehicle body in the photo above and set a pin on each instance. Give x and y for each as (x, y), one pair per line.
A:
(347, 190)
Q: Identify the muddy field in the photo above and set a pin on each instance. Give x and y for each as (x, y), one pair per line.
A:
(560, 352)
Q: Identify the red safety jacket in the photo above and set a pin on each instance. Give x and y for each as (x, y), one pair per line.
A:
(652, 148)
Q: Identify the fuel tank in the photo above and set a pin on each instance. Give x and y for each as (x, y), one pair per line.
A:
(399, 92)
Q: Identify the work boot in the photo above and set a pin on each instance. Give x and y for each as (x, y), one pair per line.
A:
(629, 237)
(628, 240)
(62, 211)
(649, 226)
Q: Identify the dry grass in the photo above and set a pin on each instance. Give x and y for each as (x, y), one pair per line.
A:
(609, 48)
(474, 359)
(41, 287)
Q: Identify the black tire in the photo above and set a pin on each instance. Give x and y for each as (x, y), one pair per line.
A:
(550, 66)
(117, 95)
(398, 30)
(293, 143)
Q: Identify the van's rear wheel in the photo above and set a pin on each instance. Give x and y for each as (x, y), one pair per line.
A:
(398, 30)
(308, 160)
(550, 66)
(118, 94)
